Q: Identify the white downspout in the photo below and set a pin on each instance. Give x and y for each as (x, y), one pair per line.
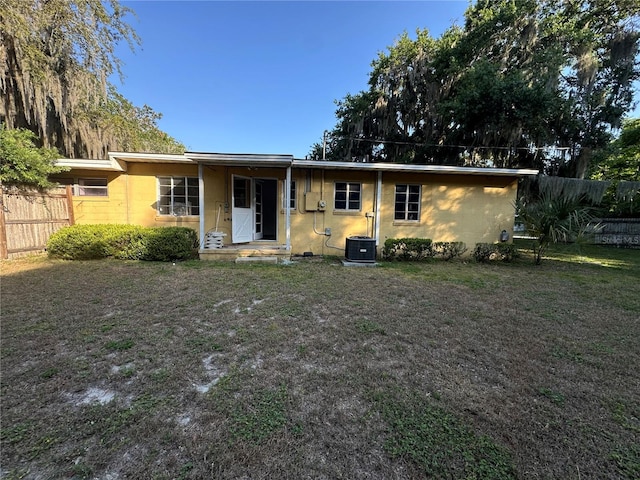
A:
(378, 204)
(201, 201)
(287, 210)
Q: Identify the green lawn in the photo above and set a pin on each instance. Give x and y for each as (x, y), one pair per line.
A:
(314, 370)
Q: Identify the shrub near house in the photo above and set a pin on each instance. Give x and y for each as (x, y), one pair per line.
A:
(132, 242)
(418, 249)
(489, 252)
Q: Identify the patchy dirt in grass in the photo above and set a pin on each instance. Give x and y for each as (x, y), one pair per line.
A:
(94, 395)
(213, 372)
(278, 371)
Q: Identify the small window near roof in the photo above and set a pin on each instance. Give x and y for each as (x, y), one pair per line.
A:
(86, 187)
(91, 187)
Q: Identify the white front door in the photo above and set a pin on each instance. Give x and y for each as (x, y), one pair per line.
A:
(241, 211)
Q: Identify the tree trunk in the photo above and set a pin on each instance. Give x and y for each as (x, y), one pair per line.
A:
(581, 163)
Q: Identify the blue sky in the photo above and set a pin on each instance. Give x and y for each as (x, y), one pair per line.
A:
(262, 77)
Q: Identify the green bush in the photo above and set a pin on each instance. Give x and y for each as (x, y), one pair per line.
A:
(131, 242)
(489, 252)
(406, 249)
(84, 242)
(173, 243)
(416, 249)
(448, 250)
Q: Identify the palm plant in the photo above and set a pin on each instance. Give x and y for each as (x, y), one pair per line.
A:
(552, 219)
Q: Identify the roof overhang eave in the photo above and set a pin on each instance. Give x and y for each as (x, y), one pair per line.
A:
(110, 164)
(149, 157)
(410, 168)
(240, 159)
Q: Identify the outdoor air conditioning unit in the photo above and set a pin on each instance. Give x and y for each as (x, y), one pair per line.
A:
(360, 249)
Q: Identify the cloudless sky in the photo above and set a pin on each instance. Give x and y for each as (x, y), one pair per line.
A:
(262, 76)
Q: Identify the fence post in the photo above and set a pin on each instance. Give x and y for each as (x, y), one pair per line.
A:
(72, 219)
(4, 254)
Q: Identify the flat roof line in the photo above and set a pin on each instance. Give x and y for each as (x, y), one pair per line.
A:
(404, 167)
(117, 162)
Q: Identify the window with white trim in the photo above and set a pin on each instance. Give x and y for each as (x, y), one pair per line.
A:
(93, 187)
(292, 195)
(407, 204)
(86, 187)
(178, 196)
(347, 196)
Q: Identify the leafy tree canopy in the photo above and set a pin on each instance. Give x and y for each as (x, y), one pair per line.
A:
(55, 61)
(621, 160)
(528, 83)
(135, 128)
(22, 163)
(619, 164)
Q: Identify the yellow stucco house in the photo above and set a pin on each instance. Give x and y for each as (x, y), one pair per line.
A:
(258, 205)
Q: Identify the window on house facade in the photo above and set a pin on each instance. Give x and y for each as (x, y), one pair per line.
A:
(86, 187)
(407, 205)
(94, 187)
(178, 196)
(347, 196)
(292, 195)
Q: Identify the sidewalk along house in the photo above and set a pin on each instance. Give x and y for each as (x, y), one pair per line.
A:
(258, 205)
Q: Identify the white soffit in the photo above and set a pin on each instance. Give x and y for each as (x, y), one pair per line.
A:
(241, 159)
(109, 164)
(411, 168)
(117, 162)
(149, 157)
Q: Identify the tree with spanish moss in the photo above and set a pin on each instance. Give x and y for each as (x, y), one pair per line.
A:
(56, 58)
(529, 83)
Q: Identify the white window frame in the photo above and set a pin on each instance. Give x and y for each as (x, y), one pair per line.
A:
(406, 212)
(293, 202)
(347, 200)
(189, 202)
(81, 187)
(84, 185)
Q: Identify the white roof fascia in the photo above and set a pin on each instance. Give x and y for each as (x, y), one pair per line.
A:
(117, 162)
(110, 164)
(241, 159)
(149, 157)
(414, 168)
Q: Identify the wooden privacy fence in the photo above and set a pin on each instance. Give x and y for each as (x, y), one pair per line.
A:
(28, 218)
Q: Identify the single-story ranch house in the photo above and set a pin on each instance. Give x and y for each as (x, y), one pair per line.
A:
(276, 205)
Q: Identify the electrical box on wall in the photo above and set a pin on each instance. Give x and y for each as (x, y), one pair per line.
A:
(311, 201)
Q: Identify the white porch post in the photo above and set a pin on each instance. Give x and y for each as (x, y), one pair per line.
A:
(201, 202)
(287, 210)
(378, 204)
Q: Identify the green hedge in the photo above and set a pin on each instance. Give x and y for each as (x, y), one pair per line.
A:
(492, 252)
(132, 242)
(405, 249)
(448, 250)
(417, 249)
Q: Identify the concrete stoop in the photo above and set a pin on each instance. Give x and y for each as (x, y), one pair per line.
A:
(258, 259)
(347, 263)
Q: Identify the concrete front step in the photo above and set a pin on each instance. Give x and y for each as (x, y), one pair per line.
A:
(256, 259)
(231, 254)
